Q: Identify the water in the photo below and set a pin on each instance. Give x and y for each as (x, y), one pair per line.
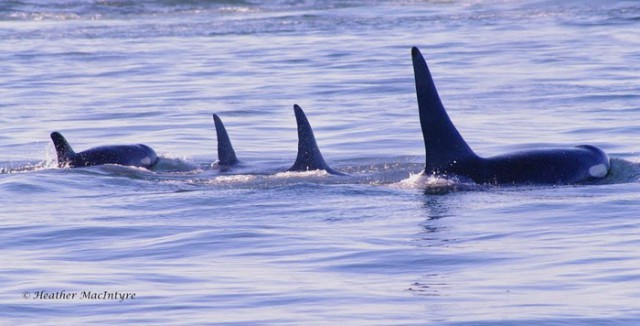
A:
(258, 246)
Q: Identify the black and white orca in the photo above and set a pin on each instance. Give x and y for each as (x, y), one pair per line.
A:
(226, 154)
(130, 155)
(309, 157)
(448, 154)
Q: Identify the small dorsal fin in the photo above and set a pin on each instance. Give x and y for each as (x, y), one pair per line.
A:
(63, 150)
(442, 141)
(309, 156)
(226, 154)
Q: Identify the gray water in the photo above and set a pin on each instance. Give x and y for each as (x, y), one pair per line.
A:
(255, 245)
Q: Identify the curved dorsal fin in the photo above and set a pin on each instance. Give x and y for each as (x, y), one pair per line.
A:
(63, 150)
(309, 156)
(442, 141)
(226, 154)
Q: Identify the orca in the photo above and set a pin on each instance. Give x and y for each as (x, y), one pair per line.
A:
(132, 155)
(226, 154)
(447, 153)
(309, 157)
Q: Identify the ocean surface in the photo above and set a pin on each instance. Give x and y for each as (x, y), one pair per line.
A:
(188, 244)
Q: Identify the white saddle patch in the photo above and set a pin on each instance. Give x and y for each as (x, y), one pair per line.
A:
(147, 161)
(598, 171)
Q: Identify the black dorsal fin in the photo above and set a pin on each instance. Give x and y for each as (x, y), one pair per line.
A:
(309, 156)
(226, 154)
(442, 141)
(63, 150)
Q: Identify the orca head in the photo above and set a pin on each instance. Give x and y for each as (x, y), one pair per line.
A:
(226, 154)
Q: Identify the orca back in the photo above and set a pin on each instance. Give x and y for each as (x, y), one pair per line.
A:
(309, 157)
(64, 151)
(448, 154)
(129, 155)
(226, 154)
(546, 166)
(443, 143)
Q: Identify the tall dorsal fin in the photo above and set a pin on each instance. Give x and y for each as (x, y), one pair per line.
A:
(63, 150)
(309, 156)
(442, 141)
(226, 154)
